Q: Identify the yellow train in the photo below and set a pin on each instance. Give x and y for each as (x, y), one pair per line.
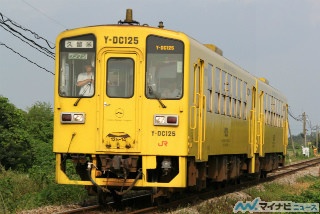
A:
(140, 107)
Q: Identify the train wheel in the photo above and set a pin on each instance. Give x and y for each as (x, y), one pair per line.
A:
(160, 196)
(238, 180)
(263, 174)
(161, 200)
(102, 197)
(153, 193)
(117, 199)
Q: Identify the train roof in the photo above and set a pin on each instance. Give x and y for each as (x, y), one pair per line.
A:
(217, 52)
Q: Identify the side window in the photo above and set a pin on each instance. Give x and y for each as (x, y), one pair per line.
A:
(224, 92)
(269, 109)
(230, 95)
(234, 96)
(209, 89)
(227, 92)
(224, 82)
(217, 94)
(265, 102)
(120, 72)
(244, 100)
(239, 82)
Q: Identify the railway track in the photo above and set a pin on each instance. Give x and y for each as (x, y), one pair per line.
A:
(283, 171)
(80, 210)
(290, 169)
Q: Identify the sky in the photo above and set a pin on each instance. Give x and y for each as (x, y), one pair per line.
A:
(275, 39)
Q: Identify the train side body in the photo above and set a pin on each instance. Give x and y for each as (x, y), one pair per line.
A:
(236, 107)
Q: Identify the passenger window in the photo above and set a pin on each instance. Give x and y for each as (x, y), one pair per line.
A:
(209, 89)
(217, 80)
(224, 81)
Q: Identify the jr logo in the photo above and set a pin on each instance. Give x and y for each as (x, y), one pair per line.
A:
(163, 143)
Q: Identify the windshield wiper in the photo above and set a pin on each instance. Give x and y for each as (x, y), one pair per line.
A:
(82, 95)
(78, 100)
(156, 96)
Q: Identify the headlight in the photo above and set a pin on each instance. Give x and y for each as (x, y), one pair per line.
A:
(72, 117)
(78, 118)
(159, 120)
(165, 120)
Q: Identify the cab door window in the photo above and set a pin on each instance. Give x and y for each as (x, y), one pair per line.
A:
(120, 73)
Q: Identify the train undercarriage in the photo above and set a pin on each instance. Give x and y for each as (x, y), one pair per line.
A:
(122, 172)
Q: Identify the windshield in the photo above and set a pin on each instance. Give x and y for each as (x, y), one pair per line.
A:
(164, 75)
(77, 67)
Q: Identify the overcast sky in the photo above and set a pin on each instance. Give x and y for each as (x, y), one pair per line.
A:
(275, 39)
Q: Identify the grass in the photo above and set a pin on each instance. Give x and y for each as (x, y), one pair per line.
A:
(305, 190)
(18, 191)
(292, 157)
(21, 191)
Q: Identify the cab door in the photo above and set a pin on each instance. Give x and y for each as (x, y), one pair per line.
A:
(120, 101)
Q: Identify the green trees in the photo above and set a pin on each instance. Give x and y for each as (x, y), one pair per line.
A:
(40, 120)
(40, 127)
(27, 163)
(15, 140)
(25, 137)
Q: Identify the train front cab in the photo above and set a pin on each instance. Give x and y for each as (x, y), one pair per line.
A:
(127, 134)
